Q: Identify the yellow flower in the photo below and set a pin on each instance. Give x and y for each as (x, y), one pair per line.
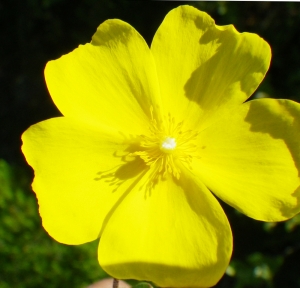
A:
(146, 134)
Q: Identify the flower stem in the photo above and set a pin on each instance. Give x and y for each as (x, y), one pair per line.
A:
(115, 283)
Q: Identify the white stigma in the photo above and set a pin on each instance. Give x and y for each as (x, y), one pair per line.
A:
(168, 145)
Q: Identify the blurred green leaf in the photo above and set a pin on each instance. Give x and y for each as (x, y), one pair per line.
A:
(291, 224)
(31, 257)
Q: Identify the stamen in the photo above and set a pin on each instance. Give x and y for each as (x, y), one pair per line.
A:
(165, 145)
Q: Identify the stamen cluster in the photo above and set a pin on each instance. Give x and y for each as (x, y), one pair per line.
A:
(166, 147)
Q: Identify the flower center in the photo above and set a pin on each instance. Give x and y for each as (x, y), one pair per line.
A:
(166, 147)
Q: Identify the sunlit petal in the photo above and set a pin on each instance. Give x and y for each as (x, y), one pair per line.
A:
(175, 235)
(205, 70)
(111, 81)
(251, 159)
(81, 172)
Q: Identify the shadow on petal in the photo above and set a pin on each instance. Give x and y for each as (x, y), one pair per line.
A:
(170, 276)
(133, 168)
(223, 75)
(281, 120)
(119, 29)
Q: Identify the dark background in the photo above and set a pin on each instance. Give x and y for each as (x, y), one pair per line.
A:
(36, 31)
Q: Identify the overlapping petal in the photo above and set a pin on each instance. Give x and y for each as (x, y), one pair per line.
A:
(175, 235)
(251, 159)
(111, 81)
(81, 173)
(205, 69)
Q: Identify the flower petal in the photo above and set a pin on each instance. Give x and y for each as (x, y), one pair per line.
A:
(75, 176)
(251, 159)
(175, 235)
(205, 69)
(111, 80)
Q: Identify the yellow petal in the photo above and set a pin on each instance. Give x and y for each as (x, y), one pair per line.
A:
(111, 81)
(251, 159)
(175, 235)
(74, 180)
(205, 69)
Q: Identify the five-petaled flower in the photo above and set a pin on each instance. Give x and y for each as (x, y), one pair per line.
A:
(147, 134)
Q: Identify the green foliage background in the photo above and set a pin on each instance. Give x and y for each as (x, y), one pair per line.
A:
(35, 31)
